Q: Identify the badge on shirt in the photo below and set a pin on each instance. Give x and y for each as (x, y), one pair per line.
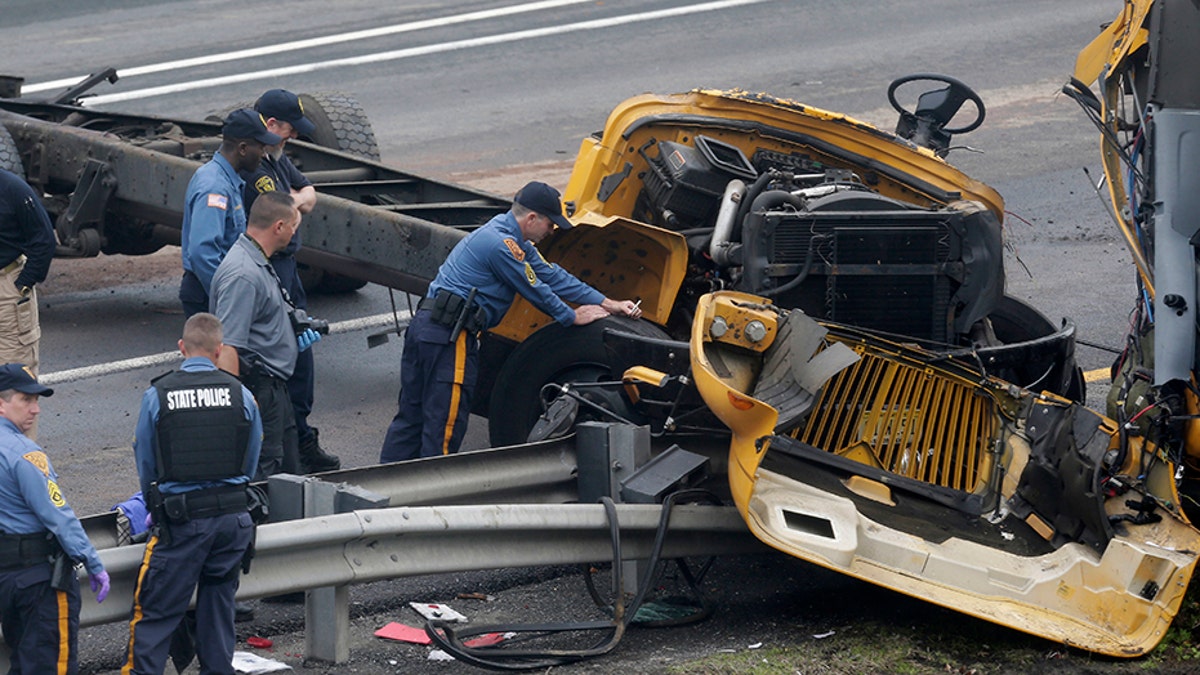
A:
(56, 497)
(38, 459)
(264, 184)
(218, 201)
(530, 275)
(515, 249)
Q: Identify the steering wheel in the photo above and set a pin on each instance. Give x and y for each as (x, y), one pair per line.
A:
(939, 105)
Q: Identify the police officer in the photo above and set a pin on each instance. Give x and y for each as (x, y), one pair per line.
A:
(41, 542)
(213, 213)
(255, 309)
(471, 293)
(26, 248)
(284, 114)
(196, 446)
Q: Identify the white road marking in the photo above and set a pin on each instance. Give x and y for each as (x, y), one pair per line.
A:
(411, 52)
(313, 42)
(166, 358)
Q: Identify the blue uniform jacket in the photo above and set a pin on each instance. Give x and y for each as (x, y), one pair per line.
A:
(499, 263)
(145, 440)
(213, 217)
(30, 500)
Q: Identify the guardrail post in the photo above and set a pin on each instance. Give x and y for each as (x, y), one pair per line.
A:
(608, 453)
(326, 610)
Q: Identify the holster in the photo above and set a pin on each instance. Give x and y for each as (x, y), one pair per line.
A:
(455, 312)
(63, 572)
(160, 529)
(248, 556)
(250, 370)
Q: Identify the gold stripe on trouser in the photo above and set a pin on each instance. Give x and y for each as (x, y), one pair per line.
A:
(460, 372)
(64, 632)
(137, 603)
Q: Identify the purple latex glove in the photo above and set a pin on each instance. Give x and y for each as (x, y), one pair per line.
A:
(149, 520)
(100, 585)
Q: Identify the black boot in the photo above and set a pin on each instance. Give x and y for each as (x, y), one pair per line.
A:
(314, 459)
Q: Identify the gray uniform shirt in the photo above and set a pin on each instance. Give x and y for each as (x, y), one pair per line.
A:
(247, 299)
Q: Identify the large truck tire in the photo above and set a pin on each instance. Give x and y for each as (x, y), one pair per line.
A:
(10, 157)
(554, 353)
(340, 124)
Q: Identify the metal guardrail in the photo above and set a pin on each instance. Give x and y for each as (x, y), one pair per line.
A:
(489, 509)
(363, 546)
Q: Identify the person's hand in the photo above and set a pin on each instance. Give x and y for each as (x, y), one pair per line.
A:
(308, 338)
(585, 314)
(149, 520)
(627, 308)
(100, 585)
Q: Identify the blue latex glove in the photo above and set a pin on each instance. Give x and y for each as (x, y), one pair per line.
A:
(100, 585)
(308, 338)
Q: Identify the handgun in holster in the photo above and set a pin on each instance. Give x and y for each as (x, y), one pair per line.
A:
(464, 313)
(161, 528)
(63, 570)
(249, 369)
(248, 556)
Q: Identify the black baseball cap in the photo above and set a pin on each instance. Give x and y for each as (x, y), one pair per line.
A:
(284, 105)
(20, 377)
(246, 123)
(542, 198)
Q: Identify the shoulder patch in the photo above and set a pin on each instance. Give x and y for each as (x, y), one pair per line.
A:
(530, 275)
(38, 459)
(515, 249)
(56, 497)
(217, 201)
(264, 184)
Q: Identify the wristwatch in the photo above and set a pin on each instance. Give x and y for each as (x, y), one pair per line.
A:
(26, 291)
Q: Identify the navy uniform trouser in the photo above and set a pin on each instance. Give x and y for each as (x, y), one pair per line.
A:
(192, 295)
(300, 390)
(437, 379)
(41, 625)
(205, 554)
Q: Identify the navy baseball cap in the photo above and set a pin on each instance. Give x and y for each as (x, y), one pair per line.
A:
(284, 105)
(539, 197)
(246, 123)
(21, 378)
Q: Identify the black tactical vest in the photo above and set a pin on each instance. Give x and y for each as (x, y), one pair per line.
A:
(202, 429)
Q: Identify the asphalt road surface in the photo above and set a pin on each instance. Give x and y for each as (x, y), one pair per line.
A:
(494, 93)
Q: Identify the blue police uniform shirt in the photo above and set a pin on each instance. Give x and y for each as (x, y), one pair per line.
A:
(213, 217)
(31, 501)
(24, 228)
(499, 263)
(145, 440)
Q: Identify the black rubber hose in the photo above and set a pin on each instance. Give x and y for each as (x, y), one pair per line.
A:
(450, 639)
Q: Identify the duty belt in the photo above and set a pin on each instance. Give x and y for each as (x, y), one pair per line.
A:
(207, 503)
(448, 309)
(26, 550)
